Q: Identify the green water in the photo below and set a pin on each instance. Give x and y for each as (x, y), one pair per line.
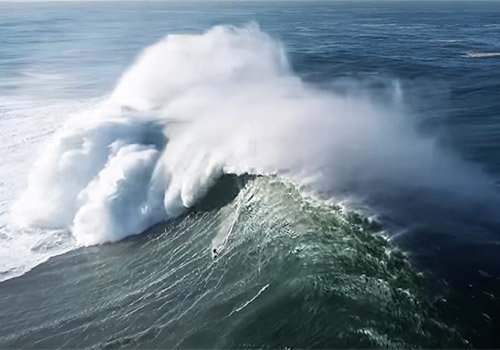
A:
(291, 271)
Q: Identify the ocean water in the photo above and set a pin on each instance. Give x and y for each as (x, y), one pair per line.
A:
(250, 174)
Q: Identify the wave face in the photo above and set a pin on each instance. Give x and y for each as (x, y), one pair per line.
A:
(291, 272)
(195, 107)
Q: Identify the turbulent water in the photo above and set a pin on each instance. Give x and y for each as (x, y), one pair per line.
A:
(228, 175)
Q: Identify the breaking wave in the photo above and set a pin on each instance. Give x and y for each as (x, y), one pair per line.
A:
(195, 107)
(476, 54)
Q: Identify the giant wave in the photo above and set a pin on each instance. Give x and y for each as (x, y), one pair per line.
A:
(195, 107)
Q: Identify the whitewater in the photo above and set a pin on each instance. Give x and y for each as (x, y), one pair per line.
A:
(194, 107)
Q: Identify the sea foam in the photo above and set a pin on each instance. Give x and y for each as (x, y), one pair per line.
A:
(193, 107)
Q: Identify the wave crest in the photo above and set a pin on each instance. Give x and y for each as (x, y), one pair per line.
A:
(194, 107)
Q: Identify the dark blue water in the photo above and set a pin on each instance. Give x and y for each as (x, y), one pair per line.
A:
(435, 285)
